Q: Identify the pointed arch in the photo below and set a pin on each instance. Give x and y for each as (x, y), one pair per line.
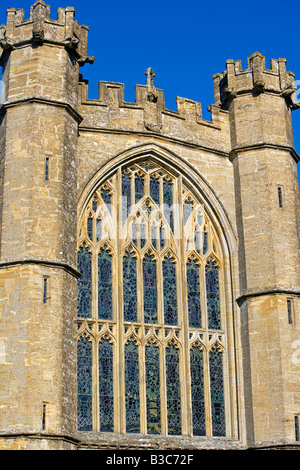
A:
(161, 299)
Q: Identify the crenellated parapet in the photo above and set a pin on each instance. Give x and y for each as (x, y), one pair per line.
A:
(255, 79)
(148, 110)
(40, 29)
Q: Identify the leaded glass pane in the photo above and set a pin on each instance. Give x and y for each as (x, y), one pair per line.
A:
(132, 390)
(139, 188)
(213, 294)
(126, 195)
(150, 289)
(106, 386)
(84, 283)
(130, 287)
(169, 290)
(197, 388)
(98, 229)
(154, 189)
(187, 210)
(168, 202)
(173, 390)
(106, 197)
(105, 285)
(90, 230)
(217, 392)
(84, 384)
(193, 293)
(152, 364)
(205, 242)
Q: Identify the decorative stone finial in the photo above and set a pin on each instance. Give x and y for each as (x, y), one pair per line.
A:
(150, 75)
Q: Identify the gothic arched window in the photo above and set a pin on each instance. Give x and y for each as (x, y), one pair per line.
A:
(151, 326)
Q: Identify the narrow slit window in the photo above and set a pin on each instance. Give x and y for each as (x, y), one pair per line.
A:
(290, 310)
(44, 417)
(297, 435)
(280, 196)
(47, 161)
(45, 290)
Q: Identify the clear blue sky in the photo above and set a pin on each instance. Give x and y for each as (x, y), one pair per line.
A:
(185, 42)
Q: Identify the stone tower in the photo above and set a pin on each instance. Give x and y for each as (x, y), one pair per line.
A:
(56, 147)
(260, 102)
(39, 131)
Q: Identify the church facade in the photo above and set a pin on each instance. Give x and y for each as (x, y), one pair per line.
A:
(149, 258)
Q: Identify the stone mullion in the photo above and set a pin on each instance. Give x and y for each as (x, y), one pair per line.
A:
(186, 410)
(120, 420)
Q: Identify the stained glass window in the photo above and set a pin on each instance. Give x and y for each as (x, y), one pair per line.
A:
(173, 390)
(132, 391)
(84, 384)
(170, 290)
(193, 293)
(130, 287)
(151, 299)
(197, 384)
(212, 294)
(84, 265)
(217, 392)
(105, 284)
(106, 387)
(152, 363)
(150, 288)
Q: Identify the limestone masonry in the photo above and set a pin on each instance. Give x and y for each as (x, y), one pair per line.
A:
(57, 146)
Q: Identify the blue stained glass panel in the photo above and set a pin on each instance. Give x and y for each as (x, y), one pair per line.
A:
(106, 386)
(84, 384)
(105, 311)
(90, 230)
(150, 289)
(132, 390)
(154, 190)
(217, 392)
(106, 197)
(193, 293)
(84, 283)
(213, 294)
(130, 287)
(126, 196)
(153, 388)
(173, 390)
(139, 188)
(197, 389)
(168, 202)
(169, 291)
(187, 210)
(205, 242)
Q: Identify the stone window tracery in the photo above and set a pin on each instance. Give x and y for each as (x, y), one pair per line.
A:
(151, 329)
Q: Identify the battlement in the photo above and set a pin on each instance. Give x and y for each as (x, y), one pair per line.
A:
(147, 98)
(255, 79)
(40, 28)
